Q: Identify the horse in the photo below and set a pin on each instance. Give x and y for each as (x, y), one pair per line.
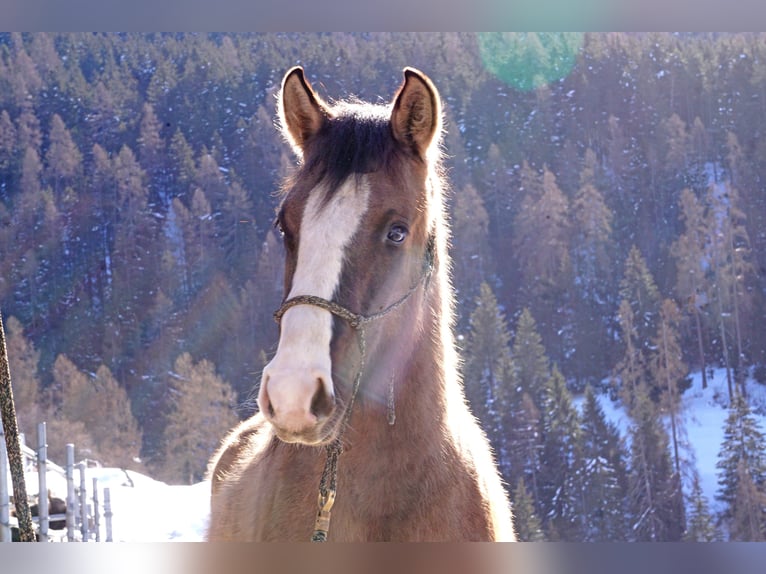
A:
(363, 432)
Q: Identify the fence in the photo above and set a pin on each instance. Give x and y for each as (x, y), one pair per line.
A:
(83, 511)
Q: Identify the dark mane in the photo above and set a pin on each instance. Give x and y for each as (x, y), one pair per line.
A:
(356, 140)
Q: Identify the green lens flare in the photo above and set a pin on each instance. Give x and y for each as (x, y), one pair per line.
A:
(528, 60)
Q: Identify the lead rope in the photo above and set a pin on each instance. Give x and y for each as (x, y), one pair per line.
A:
(328, 484)
(357, 321)
(11, 431)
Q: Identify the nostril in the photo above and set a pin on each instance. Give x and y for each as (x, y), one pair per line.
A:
(322, 402)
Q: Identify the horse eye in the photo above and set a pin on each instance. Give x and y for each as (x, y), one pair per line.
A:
(397, 233)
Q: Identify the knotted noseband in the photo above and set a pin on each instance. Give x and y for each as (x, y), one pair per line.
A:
(358, 322)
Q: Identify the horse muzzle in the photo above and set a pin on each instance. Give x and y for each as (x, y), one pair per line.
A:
(299, 403)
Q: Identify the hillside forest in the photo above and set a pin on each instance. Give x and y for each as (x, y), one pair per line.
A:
(608, 211)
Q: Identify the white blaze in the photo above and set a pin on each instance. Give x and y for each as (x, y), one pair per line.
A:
(303, 354)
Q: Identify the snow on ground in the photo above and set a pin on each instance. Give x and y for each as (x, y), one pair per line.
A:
(143, 509)
(704, 415)
(151, 510)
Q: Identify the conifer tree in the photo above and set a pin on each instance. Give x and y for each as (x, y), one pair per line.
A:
(63, 158)
(525, 443)
(114, 428)
(201, 413)
(742, 457)
(68, 412)
(182, 167)
(561, 472)
(654, 495)
(96, 409)
(748, 522)
(669, 370)
(237, 232)
(530, 360)
(731, 269)
(198, 232)
(28, 129)
(689, 251)
(541, 244)
(531, 374)
(488, 367)
(592, 230)
(135, 261)
(631, 370)
(7, 145)
(149, 140)
(23, 359)
(604, 475)
(700, 525)
(470, 251)
(525, 520)
(640, 291)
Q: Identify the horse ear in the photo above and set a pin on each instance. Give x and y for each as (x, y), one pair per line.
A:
(416, 117)
(301, 112)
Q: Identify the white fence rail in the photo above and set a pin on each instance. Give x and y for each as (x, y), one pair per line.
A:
(83, 510)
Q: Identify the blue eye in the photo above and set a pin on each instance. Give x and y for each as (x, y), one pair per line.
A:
(397, 233)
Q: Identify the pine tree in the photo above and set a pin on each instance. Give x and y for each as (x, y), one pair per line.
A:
(591, 260)
(631, 371)
(689, 251)
(742, 456)
(748, 523)
(488, 369)
(669, 371)
(541, 244)
(201, 413)
(731, 268)
(196, 223)
(7, 146)
(182, 167)
(604, 475)
(525, 520)
(237, 233)
(114, 429)
(525, 443)
(528, 400)
(135, 261)
(69, 412)
(96, 410)
(63, 158)
(149, 141)
(654, 495)
(28, 129)
(530, 361)
(561, 472)
(640, 291)
(700, 526)
(470, 251)
(23, 360)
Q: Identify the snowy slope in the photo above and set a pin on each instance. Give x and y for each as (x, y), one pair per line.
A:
(703, 416)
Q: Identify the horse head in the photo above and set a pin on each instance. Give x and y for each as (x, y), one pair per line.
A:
(357, 219)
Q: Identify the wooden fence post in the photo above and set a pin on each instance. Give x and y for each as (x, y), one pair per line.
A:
(96, 517)
(84, 504)
(71, 500)
(5, 502)
(108, 514)
(42, 477)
